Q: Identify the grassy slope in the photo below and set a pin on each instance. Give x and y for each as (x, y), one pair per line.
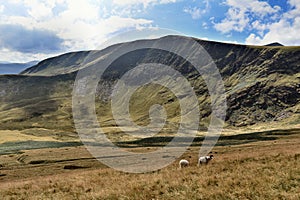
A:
(264, 169)
(262, 85)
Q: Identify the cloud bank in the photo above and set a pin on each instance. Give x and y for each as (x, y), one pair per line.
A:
(265, 23)
(19, 38)
(37, 29)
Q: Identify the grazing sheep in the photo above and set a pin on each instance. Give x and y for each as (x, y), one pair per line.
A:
(204, 159)
(183, 163)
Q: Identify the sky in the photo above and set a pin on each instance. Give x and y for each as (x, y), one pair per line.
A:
(38, 29)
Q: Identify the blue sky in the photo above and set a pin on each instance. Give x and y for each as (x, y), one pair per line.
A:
(37, 29)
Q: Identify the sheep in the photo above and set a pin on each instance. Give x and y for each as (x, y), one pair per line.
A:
(204, 159)
(183, 163)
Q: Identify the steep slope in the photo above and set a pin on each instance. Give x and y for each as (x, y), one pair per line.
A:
(262, 85)
(63, 64)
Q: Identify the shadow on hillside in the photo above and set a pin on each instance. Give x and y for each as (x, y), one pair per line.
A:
(222, 140)
(161, 141)
(16, 147)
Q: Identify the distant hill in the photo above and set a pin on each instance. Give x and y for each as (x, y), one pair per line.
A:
(275, 44)
(14, 68)
(262, 85)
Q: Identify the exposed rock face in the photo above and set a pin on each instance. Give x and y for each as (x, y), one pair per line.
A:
(262, 84)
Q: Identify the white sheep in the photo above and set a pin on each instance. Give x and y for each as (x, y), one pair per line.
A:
(183, 163)
(204, 159)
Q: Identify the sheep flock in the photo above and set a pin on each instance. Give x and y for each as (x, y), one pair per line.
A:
(202, 160)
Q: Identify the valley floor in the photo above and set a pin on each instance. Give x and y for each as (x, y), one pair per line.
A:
(250, 166)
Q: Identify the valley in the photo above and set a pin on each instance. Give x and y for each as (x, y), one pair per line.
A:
(256, 156)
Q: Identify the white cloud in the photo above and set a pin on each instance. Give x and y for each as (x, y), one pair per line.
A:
(16, 56)
(229, 41)
(253, 39)
(2, 8)
(285, 31)
(39, 9)
(81, 10)
(259, 26)
(145, 3)
(239, 14)
(295, 12)
(197, 12)
(131, 8)
(236, 20)
(81, 24)
(295, 3)
(266, 23)
(204, 25)
(257, 7)
(194, 12)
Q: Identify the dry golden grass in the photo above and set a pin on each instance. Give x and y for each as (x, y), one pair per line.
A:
(15, 136)
(258, 170)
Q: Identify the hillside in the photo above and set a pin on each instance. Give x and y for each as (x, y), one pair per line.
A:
(262, 85)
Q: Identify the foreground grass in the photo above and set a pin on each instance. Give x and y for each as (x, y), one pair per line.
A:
(262, 170)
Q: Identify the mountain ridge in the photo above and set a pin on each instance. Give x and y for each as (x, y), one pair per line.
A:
(262, 86)
(37, 69)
